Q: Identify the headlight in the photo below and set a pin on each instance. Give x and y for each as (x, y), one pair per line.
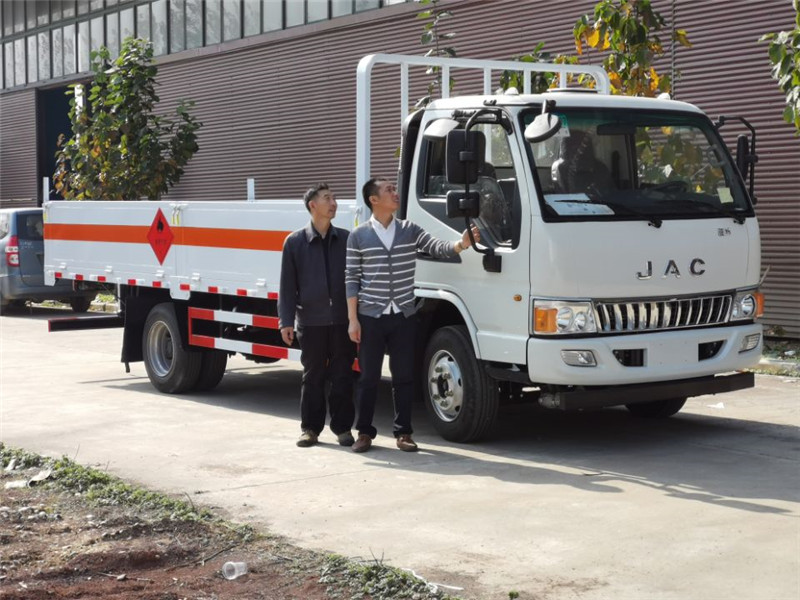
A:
(747, 305)
(552, 317)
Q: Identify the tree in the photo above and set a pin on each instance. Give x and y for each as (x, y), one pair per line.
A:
(784, 54)
(628, 31)
(120, 149)
(436, 40)
(541, 81)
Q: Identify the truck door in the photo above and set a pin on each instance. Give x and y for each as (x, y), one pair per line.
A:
(497, 302)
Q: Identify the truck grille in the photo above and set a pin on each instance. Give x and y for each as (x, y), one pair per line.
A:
(663, 314)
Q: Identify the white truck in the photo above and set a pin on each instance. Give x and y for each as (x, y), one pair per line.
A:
(619, 261)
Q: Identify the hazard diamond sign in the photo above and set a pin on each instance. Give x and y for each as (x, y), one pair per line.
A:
(160, 237)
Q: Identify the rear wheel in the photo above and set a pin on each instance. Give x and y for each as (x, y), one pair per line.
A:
(171, 368)
(459, 394)
(81, 304)
(660, 409)
(212, 368)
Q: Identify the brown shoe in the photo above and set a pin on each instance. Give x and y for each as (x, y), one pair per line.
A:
(362, 443)
(307, 438)
(406, 444)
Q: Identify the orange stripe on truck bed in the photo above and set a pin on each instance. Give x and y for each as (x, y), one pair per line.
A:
(131, 234)
(245, 239)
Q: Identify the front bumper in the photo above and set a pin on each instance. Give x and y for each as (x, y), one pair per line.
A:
(667, 356)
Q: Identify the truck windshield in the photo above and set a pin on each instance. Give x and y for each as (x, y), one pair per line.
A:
(614, 164)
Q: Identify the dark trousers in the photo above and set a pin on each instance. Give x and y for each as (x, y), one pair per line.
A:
(327, 354)
(396, 333)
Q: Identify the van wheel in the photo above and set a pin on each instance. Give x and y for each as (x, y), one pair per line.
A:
(459, 394)
(81, 304)
(171, 368)
(660, 409)
(212, 368)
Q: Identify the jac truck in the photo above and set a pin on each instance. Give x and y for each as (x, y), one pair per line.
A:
(619, 261)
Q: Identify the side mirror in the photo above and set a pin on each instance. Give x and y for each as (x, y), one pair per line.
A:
(742, 154)
(542, 128)
(463, 204)
(465, 156)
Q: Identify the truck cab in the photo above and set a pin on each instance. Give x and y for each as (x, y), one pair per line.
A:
(619, 258)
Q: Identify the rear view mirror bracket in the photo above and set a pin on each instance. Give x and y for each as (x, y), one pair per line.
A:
(746, 157)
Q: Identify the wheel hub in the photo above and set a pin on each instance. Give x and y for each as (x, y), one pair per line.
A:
(445, 386)
(160, 347)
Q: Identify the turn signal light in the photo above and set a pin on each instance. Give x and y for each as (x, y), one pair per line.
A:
(759, 296)
(545, 320)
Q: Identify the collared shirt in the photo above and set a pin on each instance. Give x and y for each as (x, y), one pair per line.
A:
(386, 236)
(312, 278)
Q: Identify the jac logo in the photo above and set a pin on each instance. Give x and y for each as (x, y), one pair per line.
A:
(695, 268)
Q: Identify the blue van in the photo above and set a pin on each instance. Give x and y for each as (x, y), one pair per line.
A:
(22, 264)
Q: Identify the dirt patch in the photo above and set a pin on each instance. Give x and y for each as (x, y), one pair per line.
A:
(54, 544)
(68, 531)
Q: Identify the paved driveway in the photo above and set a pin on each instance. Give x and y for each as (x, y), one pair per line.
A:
(595, 505)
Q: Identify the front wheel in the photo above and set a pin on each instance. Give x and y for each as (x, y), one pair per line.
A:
(459, 394)
(172, 369)
(660, 409)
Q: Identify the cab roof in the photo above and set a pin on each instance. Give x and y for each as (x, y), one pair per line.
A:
(578, 99)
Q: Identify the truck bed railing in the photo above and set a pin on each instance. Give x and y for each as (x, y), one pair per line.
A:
(488, 67)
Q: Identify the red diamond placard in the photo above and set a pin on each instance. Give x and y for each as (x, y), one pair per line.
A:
(160, 237)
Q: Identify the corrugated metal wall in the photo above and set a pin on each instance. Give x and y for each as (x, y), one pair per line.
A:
(727, 72)
(280, 107)
(18, 177)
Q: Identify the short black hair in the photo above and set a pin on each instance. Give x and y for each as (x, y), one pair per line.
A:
(371, 188)
(312, 192)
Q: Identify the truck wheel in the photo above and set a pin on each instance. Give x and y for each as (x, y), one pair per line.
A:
(171, 368)
(660, 409)
(459, 394)
(212, 368)
(81, 304)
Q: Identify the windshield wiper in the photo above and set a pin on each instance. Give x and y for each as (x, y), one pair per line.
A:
(651, 220)
(707, 208)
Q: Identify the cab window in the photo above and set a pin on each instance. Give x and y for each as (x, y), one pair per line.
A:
(499, 220)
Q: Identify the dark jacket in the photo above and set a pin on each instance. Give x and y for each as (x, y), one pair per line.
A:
(304, 281)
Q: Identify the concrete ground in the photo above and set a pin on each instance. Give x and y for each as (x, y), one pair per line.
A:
(594, 505)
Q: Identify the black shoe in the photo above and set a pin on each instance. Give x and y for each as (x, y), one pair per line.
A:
(345, 439)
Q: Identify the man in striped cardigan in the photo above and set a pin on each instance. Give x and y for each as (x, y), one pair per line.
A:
(379, 284)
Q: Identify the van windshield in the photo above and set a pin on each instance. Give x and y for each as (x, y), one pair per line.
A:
(615, 164)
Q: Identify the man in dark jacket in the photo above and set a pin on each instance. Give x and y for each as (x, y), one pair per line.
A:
(312, 292)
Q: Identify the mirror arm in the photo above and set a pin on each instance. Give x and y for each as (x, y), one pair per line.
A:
(752, 157)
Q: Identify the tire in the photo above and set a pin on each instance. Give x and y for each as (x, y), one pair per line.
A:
(81, 304)
(212, 368)
(171, 368)
(460, 396)
(660, 409)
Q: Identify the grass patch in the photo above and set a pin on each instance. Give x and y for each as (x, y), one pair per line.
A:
(379, 581)
(103, 489)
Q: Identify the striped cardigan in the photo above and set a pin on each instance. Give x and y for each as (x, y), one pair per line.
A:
(376, 276)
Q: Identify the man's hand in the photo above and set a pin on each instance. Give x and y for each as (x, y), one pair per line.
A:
(287, 333)
(466, 242)
(354, 331)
